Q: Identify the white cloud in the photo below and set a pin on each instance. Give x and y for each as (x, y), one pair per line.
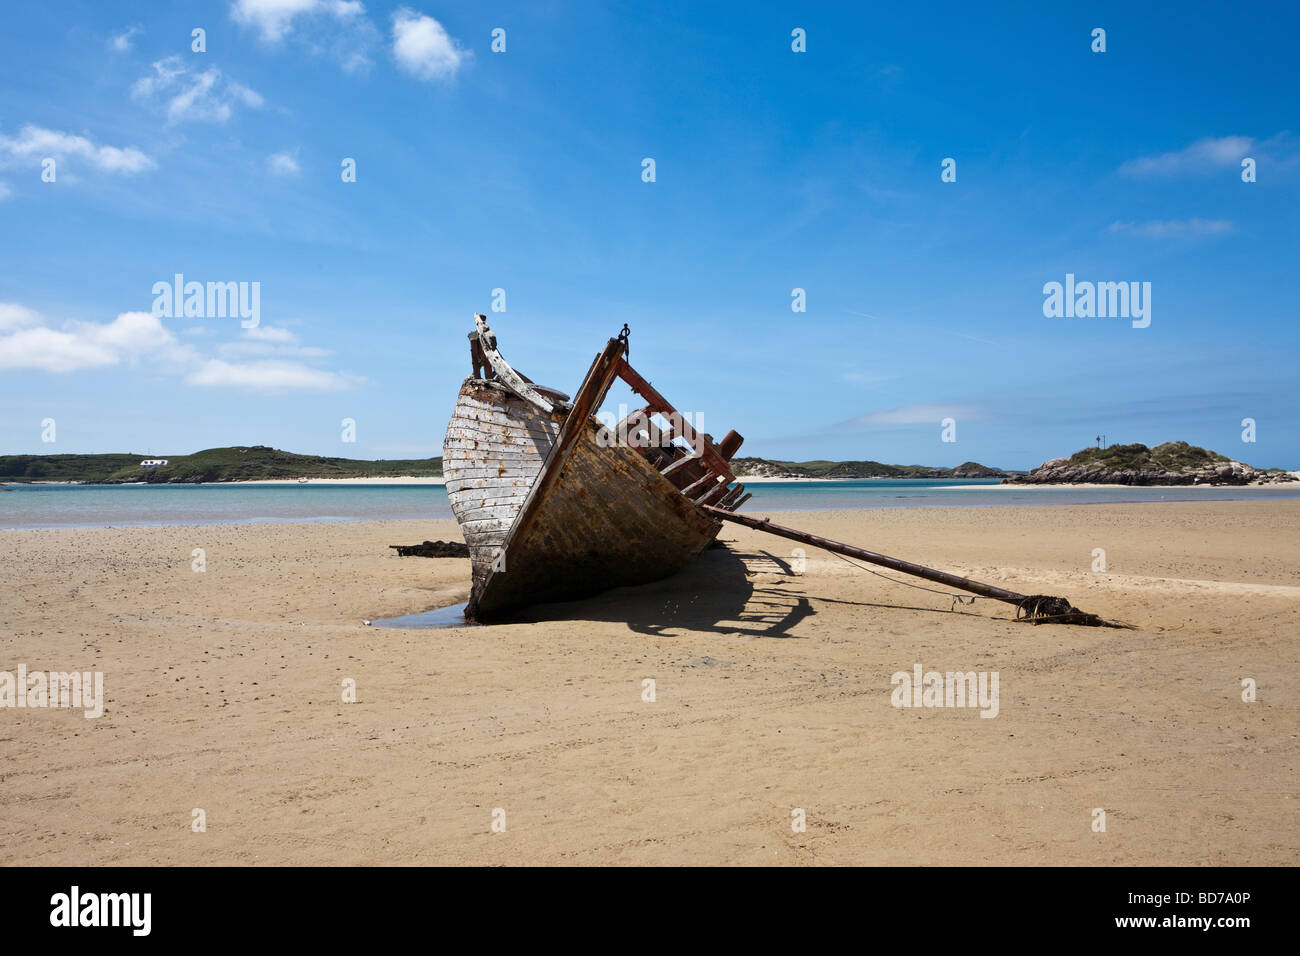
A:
(267, 375)
(1174, 228)
(274, 19)
(917, 414)
(122, 42)
(270, 333)
(165, 74)
(423, 48)
(15, 316)
(265, 340)
(1203, 156)
(131, 333)
(283, 164)
(140, 338)
(52, 351)
(35, 143)
(131, 337)
(339, 29)
(5, 191)
(243, 94)
(187, 96)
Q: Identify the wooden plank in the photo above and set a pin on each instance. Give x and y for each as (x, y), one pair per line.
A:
(679, 463)
(692, 488)
(468, 440)
(509, 377)
(731, 496)
(472, 470)
(643, 388)
(714, 495)
(458, 485)
(482, 459)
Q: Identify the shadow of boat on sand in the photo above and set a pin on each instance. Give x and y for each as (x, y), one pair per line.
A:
(717, 594)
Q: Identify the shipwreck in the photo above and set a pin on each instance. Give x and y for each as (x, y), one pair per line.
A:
(554, 505)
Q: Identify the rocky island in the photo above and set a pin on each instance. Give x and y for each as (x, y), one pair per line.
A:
(1173, 463)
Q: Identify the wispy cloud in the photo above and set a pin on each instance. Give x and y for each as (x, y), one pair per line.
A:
(34, 143)
(339, 28)
(269, 340)
(1203, 156)
(275, 19)
(916, 414)
(1173, 228)
(856, 377)
(124, 41)
(5, 191)
(186, 96)
(423, 48)
(283, 164)
(140, 339)
(268, 375)
(270, 333)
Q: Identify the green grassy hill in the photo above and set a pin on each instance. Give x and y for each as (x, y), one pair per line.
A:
(213, 464)
(14, 468)
(1171, 456)
(1173, 463)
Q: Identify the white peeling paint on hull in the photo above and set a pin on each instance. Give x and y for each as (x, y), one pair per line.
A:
(494, 449)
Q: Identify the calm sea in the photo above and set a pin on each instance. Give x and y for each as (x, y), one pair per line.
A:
(99, 506)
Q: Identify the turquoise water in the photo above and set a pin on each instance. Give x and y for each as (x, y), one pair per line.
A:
(98, 506)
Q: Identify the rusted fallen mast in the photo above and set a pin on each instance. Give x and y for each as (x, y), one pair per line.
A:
(1035, 608)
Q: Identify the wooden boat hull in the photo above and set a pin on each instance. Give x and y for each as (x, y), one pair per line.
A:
(609, 520)
(555, 506)
(495, 446)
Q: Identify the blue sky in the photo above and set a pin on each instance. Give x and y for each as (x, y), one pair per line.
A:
(774, 170)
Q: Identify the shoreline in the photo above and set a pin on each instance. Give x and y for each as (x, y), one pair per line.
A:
(769, 479)
(820, 508)
(1094, 486)
(387, 480)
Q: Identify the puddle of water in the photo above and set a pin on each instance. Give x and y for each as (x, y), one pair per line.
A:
(451, 616)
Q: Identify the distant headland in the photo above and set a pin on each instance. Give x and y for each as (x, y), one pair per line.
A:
(1173, 463)
(826, 470)
(238, 463)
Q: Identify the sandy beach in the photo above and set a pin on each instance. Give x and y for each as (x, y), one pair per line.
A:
(772, 694)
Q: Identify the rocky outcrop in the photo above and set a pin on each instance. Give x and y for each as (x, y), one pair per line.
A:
(1175, 463)
(973, 469)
